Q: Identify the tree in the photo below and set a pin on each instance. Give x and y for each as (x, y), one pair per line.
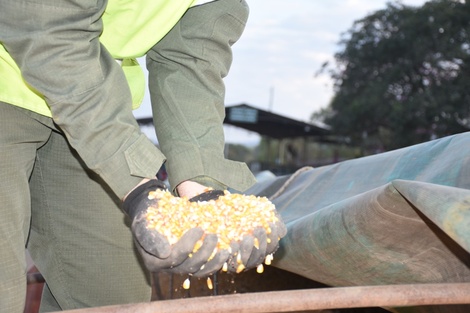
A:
(403, 75)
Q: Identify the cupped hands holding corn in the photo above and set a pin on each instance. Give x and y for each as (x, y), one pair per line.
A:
(225, 231)
(155, 248)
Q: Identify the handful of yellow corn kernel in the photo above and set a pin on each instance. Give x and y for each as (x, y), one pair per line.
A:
(230, 217)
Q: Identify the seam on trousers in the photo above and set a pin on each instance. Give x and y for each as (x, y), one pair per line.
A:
(56, 260)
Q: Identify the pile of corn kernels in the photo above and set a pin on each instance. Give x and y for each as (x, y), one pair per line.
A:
(231, 216)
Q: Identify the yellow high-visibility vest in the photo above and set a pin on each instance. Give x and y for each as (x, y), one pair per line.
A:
(130, 29)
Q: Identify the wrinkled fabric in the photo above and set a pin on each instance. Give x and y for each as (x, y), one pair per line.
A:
(400, 217)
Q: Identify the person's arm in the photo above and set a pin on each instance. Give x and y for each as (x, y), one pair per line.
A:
(56, 46)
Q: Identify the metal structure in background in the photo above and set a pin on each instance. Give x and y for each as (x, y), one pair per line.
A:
(280, 131)
(272, 125)
(265, 123)
(275, 128)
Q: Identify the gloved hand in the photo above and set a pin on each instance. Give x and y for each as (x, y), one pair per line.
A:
(249, 254)
(252, 250)
(183, 259)
(217, 261)
(246, 254)
(156, 251)
(278, 231)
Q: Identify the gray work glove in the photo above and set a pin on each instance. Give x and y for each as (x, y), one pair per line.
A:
(221, 256)
(251, 255)
(156, 251)
(278, 231)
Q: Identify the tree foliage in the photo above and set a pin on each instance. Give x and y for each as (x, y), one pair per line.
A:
(403, 75)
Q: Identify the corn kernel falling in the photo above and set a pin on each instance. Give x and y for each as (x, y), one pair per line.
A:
(209, 283)
(268, 259)
(186, 283)
(260, 268)
(240, 268)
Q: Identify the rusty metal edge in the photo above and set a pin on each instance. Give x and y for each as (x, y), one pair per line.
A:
(304, 300)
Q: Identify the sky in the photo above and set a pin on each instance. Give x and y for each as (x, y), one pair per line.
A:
(284, 44)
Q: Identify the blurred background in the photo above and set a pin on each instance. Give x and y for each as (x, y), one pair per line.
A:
(360, 77)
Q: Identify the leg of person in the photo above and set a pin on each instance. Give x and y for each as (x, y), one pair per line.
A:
(20, 136)
(80, 240)
(56, 46)
(186, 71)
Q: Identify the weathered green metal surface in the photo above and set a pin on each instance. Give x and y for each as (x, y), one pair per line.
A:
(393, 218)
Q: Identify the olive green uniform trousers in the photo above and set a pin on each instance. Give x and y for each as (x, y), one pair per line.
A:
(70, 220)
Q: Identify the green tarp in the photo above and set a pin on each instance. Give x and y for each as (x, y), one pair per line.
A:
(394, 218)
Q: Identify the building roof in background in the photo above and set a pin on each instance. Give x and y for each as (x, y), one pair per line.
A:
(266, 123)
(270, 124)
